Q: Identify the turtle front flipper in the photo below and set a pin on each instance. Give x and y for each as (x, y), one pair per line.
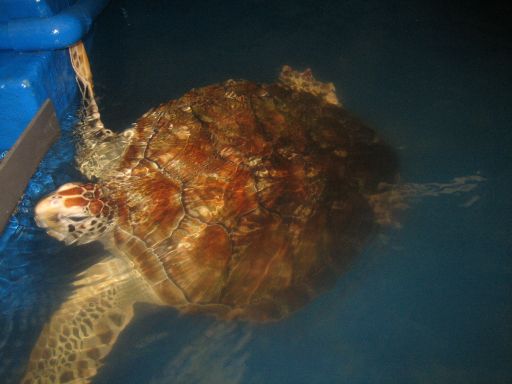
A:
(98, 149)
(91, 113)
(81, 333)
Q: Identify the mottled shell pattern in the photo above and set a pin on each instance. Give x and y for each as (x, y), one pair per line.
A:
(246, 200)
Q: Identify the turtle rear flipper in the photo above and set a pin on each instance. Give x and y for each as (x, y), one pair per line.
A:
(82, 332)
(305, 82)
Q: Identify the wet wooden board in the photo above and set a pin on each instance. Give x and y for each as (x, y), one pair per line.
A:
(23, 158)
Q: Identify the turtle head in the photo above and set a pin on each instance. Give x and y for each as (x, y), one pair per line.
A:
(75, 213)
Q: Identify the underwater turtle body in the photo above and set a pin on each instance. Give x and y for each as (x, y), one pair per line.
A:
(239, 199)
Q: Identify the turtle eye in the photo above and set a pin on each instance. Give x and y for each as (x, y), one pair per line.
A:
(77, 218)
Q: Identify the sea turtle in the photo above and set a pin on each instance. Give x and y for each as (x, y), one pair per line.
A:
(240, 200)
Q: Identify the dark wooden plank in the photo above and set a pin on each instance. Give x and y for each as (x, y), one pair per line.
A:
(23, 158)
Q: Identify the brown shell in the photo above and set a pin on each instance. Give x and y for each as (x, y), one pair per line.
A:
(247, 200)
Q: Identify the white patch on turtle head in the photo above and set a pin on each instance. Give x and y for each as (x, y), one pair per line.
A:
(75, 213)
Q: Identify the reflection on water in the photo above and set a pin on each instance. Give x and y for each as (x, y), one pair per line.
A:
(27, 295)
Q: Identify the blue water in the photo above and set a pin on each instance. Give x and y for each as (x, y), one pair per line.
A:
(428, 303)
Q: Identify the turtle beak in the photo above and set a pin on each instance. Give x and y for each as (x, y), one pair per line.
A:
(40, 223)
(47, 217)
(41, 214)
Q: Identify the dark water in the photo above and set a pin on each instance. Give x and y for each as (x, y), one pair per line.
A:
(428, 303)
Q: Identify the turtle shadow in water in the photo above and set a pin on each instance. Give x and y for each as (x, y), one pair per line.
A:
(191, 349)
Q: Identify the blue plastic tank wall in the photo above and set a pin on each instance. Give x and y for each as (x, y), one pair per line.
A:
(34, 62)
(27, 79)
(17, 9)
